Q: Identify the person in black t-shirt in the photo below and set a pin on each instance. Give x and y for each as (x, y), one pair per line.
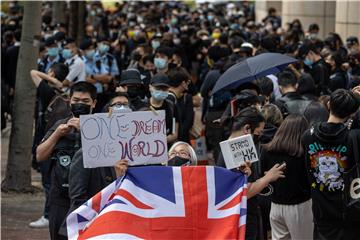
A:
(338, 77)
(60, 144)
(47, 86)
(315, 65)
(159, 87)
(179, 85)
(130, 82)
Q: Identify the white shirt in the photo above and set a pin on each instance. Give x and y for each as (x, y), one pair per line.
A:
(77, 71)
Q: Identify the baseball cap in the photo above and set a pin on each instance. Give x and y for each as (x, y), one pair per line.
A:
(160, 79)
(85, 44)
(50, 41)
(68, 40)
(352, 40)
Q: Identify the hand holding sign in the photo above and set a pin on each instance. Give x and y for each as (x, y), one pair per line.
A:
(139, 137)
(238, 150)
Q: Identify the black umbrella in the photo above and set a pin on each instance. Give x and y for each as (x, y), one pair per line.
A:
(252, 68)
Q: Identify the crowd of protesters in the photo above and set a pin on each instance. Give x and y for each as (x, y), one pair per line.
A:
(146, 56)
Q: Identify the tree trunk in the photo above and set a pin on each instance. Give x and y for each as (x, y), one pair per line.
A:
(81, 22)
(73, 19)
(58, 14)
(18, 171)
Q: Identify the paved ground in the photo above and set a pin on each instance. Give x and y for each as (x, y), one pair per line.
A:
(17, 210)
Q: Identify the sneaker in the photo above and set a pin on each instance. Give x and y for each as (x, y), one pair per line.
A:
(40, 223)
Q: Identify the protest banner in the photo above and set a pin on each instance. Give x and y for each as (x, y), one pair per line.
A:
(238, 150)
(139, 137)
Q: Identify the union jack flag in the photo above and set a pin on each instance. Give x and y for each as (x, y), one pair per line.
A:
(158, 202)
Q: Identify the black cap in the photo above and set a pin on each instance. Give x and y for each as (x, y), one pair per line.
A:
(102, 38)
(59, 36)
(352, 40)
(305, 47)
(160, 79)
(85, 44)
(50, 41)
(68, 40)
(130, 76)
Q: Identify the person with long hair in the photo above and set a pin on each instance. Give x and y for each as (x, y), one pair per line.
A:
(290, 215)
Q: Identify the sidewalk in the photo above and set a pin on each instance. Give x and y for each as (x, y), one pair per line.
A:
(17, 210)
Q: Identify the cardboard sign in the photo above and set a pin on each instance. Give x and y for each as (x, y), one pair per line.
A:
(238, 150)
(139, 137)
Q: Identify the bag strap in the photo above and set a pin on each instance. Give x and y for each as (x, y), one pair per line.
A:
(355, 149)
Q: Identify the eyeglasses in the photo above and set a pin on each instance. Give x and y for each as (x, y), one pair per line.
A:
(182, 154)
(119, 103)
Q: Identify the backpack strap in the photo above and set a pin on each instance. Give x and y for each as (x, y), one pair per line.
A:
(110, 61)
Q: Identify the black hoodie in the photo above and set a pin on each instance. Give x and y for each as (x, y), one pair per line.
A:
(327, 150)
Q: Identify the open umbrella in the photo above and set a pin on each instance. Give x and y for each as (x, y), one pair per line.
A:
(252, 68)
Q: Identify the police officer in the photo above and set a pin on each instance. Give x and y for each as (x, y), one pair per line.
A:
(95, 72)
(60, 144)
(52, 55)
(74, 62)
(107, 59)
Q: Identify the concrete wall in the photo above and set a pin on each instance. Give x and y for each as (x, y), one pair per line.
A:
(347, 18)
(320, 12)
(261, 8)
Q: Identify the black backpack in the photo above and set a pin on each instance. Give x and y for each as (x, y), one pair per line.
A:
(58, 108)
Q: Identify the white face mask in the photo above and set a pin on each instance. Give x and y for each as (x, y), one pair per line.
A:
(120, 108)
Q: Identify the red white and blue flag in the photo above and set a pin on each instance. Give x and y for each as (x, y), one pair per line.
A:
(157, 202)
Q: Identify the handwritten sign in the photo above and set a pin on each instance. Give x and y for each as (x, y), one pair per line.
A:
(238, 150)
(139, 137)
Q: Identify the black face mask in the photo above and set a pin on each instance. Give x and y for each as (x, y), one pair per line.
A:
(172, 65)
(80, 109)
(178, 161)
(256, 138)
(134, 92)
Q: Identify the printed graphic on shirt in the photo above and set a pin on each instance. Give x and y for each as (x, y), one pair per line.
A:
(328, 166)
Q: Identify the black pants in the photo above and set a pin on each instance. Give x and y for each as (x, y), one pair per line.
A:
(57, 215)
(46, 183)
(337, 232)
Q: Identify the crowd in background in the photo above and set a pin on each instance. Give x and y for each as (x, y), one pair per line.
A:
(168, 56)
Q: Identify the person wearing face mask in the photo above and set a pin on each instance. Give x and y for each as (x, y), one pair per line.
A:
(84, 183)
(354, 62)
(119, 103)
(95, 72)
(313, 31)
(159, 89)
(162, 59)
(249, 121)
(76, 65)
(179, 85)
(107, 59)
(338, 77)
(130, 83)
(52, 56)
(59, 145)
(48, 87)
(315, 65)
(181, 154)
